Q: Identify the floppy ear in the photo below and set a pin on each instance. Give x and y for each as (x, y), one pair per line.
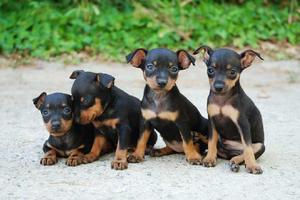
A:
(185, 59)
(247, 57)
(38, 101)
(75, 74)
(137, 57)
(207, 52)
(105, 79)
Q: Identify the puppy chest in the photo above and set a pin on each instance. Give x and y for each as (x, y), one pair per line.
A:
(155, 113)
(223, 111)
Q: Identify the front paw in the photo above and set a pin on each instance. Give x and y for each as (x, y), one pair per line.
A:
(135, 158)
(234, 167)
(254, 169)
(119, 164)
(88, 158)
(209, 161)
(74, 160)
(48, 160)
(194, 160)
(155, 153)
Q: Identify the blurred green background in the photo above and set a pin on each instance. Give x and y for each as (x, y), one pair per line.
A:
(113, 28)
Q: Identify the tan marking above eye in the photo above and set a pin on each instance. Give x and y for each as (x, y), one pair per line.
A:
(63, 105)
(81, 99)
(48, 106)
(155, 62)
(228, 66)
(171, 64)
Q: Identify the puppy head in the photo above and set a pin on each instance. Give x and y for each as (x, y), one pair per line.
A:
(160, 66)
(91, 93)
(224, 67)
(57, 113)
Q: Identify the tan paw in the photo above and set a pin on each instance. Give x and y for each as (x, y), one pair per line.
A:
(119, 164)
(48, 160)
(155, 153)
(134, 158)
(74, 160)
(254, 169)
(209, 161)
(88, 158)
(194, 160)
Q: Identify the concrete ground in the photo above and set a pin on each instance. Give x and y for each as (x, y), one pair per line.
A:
(274, 87)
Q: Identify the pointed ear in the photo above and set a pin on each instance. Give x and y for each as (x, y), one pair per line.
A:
(184, 59)
(137, 57)
(38, 101)
(75, 74)
(105, 79)
(207, 52)
(247, 57)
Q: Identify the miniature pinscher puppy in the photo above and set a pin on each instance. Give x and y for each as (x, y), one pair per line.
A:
(66, 139)
(236, 127)
(165, 108)
(112, 111)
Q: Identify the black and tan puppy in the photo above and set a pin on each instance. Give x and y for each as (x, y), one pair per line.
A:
(66, 139)
(234, 119)
(165, 108)
(112, 111)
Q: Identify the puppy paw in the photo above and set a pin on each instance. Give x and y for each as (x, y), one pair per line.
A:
(209, 161)
(254, 169)
(134, 158)
(74, 160)
(234, 167)
(88, 158)
(48, 160)
(119, 164)
(155, 153)
(194, 159)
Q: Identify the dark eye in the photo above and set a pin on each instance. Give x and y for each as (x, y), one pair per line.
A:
(232, 72)
(150, 67)
(67, 110)
(45, 112)
(210, 71)
(86, 100)
(174, 69)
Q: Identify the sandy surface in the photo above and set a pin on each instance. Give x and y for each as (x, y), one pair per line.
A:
(273, 86)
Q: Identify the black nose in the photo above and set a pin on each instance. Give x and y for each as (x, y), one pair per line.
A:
(161, 82)
(55, 125)
(219, 86)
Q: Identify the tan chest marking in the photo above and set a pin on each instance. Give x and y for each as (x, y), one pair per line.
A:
(62, 152)
(165, 115)
(226, 110)
(108, 122)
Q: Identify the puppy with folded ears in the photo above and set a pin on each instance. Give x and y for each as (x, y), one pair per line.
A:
(66, 137)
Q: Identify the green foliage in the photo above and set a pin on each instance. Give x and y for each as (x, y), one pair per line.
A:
(114, 28)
